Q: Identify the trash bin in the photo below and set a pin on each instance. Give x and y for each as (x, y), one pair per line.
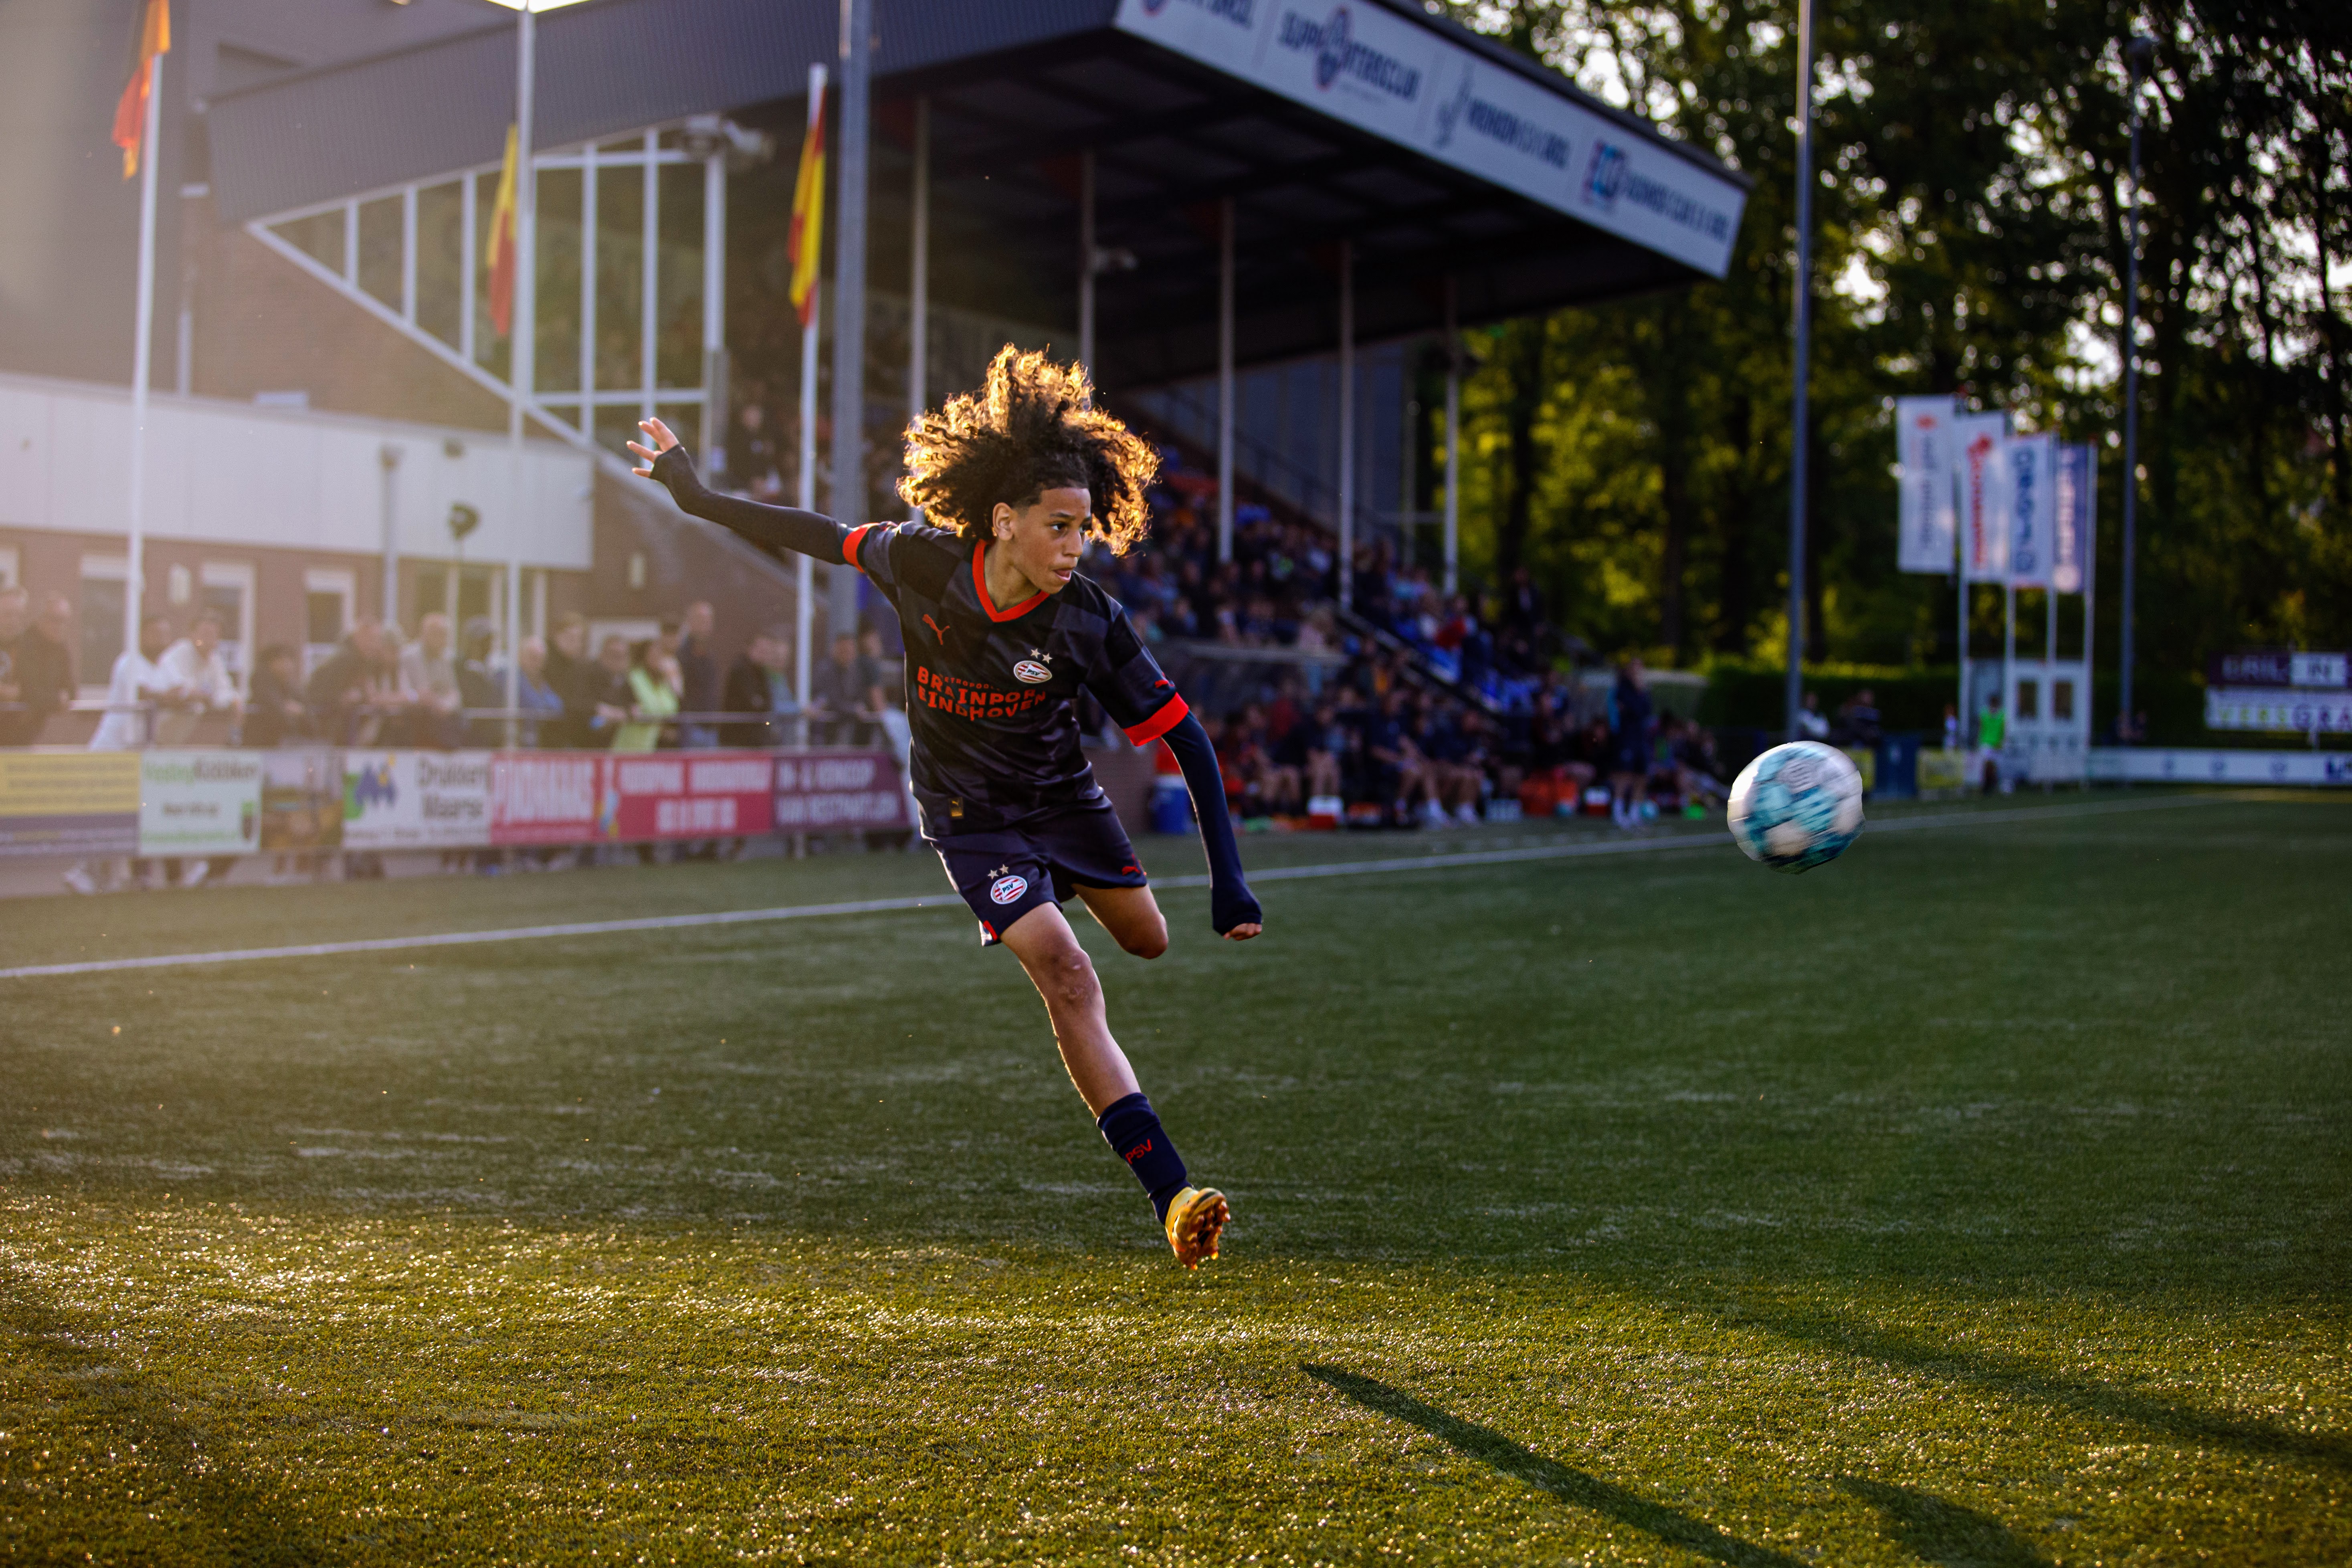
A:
(1898, 766)
(1171, 805)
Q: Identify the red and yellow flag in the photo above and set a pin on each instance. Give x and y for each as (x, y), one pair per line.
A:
(499, 255)
(154, 37)
(807, 237)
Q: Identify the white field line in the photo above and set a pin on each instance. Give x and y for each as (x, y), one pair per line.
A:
(1577, 851)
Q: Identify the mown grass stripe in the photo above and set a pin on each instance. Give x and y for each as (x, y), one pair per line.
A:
(1707, 840)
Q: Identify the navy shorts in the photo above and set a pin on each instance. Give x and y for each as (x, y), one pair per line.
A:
(1005, 873)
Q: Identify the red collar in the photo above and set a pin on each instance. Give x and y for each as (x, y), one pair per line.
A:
(980, 590)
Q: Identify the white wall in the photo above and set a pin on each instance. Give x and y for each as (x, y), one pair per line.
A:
(235, 474)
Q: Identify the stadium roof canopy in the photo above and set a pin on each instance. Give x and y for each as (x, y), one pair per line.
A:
(1435, 153)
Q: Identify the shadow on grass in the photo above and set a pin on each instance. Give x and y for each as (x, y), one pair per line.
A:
(91, 1498)
(2021, 1379)
(1491, 1448)
(1943, 1532)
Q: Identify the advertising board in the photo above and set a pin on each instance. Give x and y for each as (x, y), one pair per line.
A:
(417, 800)
(68, 803)
(818, 791)
(1408, 83)
(2159, 765)
(582, 797)
(301, 800)
(199, 802)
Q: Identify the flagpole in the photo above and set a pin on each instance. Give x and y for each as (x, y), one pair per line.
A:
(803, 570)
(522, 343)
(142, 359)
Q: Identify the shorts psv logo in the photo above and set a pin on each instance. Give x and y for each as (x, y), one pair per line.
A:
(1004, 889)
(1030, 670)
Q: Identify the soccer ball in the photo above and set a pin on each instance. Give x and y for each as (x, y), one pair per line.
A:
(1796, 806)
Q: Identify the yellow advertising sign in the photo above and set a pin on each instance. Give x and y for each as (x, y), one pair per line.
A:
(56, 803)
(1942, 769)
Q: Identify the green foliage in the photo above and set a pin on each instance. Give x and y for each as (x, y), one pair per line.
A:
(1970, 238)
(1978, 1198)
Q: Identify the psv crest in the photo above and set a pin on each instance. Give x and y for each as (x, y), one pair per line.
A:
(1007, 889)
(1031, 669)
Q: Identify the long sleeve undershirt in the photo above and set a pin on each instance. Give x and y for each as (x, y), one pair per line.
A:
(1230, 902)
(775, 529)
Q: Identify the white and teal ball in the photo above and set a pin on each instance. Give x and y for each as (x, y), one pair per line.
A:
(1797, 805)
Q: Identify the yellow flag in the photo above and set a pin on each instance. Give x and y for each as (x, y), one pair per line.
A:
(498, 254)
(808, 216)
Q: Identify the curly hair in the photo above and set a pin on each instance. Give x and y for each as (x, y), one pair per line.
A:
(1031, 427)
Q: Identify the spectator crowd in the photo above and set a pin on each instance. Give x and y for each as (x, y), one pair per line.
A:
(1416, 708)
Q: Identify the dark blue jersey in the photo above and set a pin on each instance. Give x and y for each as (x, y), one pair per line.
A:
(991, 693)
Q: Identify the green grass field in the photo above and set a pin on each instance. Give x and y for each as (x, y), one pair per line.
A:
(1980, 1199)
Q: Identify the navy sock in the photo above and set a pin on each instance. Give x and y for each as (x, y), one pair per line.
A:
(1135, 1135)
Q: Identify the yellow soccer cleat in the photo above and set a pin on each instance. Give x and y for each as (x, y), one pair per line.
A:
(1196, 1218)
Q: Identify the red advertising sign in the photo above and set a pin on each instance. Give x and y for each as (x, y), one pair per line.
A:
(547, 797)
(582, 798)
(822, 790)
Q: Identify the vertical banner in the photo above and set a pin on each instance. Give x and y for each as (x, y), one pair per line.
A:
(2070, 546)
(199, 802)
(2028, 495)
(1923, 448)
(1976, 475)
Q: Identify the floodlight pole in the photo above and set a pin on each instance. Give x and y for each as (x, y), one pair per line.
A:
(142, 361)
(1453, 443)
(919, 274)
(523, 342)
(805, 569)
(1347, 425)
(1798, 435)
(2137, 55)
(849, 498)
(1225, 381)
(1086, 259)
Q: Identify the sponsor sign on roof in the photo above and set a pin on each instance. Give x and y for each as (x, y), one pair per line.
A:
(1383, 73)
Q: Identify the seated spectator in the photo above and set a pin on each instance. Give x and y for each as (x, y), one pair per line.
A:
(1859, 719)
(1322, 740)
(653, 683)
(699, 675)
(1699, 773)
(1404, 778)
(16, 728)
(761, 682)
(356, 690)
(479, 686)
(609, 691)
(275, 716)
(428, 671)
(574, 679)
(845, 698)
(1811, 725)
(41, 668)
(537, 696)
(195, 665)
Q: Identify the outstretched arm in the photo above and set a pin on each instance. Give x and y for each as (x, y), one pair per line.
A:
(1233, 908)
(774, 529)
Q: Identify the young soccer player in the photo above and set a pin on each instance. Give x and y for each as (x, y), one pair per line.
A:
(1001, 634)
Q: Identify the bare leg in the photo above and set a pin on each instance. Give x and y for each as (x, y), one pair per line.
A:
(1064, 976)
(1132, 917)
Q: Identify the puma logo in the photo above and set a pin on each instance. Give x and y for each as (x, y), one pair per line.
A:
(938, 632)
